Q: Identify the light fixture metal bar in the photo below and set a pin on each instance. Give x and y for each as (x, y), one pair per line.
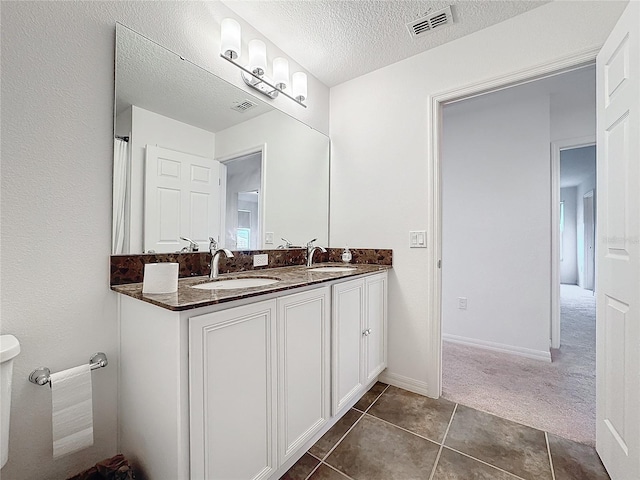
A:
(262, 80)
(261, 85)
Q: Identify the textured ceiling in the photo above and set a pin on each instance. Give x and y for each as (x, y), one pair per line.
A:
(338, 40)
(156, 79)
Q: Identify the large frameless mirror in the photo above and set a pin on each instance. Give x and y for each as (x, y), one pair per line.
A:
(196, 157)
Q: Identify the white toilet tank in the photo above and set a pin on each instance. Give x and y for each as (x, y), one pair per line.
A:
(9, 348)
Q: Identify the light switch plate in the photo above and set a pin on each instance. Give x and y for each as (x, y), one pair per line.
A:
(261, 260)
(268, 238)
(418, 239)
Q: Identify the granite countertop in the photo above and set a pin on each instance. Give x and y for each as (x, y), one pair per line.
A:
(187, 298)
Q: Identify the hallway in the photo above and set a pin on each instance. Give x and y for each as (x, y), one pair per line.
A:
(557, 397)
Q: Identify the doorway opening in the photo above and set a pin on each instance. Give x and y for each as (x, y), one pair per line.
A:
(576, 229)
(497, 247)
(242, 205)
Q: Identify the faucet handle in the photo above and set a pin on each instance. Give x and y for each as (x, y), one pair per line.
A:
(193, 246)
(310, 243)
(213, 244)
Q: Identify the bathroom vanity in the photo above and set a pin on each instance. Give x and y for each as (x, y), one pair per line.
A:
(239, 383)
(225, 384)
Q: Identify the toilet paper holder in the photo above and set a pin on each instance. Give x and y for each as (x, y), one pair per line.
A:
(42, 375)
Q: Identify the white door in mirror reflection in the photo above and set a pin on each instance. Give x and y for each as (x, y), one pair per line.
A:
(181, 199)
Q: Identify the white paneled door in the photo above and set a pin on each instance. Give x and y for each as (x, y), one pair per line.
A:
(181, 199)
(618, 249)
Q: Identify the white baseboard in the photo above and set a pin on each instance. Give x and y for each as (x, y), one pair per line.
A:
(499, 347)
(400, 381)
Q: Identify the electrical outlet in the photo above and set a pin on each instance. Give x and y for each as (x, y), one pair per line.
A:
(268, 238)
(462, 303)
(260, 260)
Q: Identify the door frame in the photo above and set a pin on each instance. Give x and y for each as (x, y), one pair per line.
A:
(435, 104)
(556, 148)
(589, 260)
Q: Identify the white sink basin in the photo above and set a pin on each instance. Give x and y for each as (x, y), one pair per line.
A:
(332, 269)
(232, 283)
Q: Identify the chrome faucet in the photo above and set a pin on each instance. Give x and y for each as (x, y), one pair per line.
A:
(311, 250)
(215, 257)
(287, 244)
(193, 246)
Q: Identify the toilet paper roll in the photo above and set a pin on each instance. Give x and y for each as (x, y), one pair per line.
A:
(160, 278)
(72, 410)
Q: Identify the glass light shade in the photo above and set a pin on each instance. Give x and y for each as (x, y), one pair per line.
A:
(230, 43)
(299, 86)
(281, 72)
(257, 57)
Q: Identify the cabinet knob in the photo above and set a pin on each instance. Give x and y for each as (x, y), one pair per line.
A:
(367, 332)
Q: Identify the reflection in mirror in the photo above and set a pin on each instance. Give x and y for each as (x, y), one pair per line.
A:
(197, 157)
(243, 185)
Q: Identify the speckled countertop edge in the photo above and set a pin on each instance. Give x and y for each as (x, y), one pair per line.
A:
(187, 298)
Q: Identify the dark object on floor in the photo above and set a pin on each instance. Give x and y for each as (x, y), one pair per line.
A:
(114, 468)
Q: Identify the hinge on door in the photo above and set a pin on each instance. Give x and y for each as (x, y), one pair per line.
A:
(439, 263)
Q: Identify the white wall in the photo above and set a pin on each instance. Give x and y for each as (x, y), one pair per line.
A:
(379, 182)
(569, 259)
(496, 222)
(573, 111)
(57, 150)
(149, 128)
(296, 198)
(473, 130)
(124, 122)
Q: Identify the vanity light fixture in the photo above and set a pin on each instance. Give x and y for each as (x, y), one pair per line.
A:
(300, 86)
(254, 75)
(257, 57)
(281, 72)
(230, 45)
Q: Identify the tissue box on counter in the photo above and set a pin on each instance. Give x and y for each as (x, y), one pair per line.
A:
(160, 278)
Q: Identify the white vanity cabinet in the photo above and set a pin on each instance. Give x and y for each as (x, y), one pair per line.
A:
(359, 333)
(259, 384)
(375, 331)
(232, 392)
(347, 325)
(304, 368)
(240, 390)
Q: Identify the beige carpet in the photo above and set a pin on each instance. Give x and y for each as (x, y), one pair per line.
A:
(557, 397)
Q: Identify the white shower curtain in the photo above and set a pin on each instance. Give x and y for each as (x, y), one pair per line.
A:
(120, 196)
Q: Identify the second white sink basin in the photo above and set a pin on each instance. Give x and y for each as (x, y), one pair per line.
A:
(331, 269)
(231, 283)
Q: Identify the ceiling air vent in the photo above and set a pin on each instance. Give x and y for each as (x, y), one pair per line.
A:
(243, 106)
(429, 21)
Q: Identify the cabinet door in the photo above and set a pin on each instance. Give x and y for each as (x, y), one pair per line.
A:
(303, 368)
(347, 322)
(232, 373)
(376, 326)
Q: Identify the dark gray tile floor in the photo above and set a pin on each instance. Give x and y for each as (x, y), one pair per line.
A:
(395, 434)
